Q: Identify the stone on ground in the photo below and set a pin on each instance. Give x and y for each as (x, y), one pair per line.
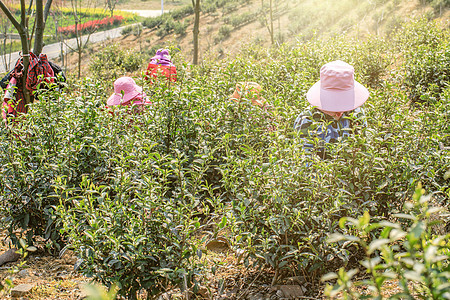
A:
(9, 256)
(20, 290)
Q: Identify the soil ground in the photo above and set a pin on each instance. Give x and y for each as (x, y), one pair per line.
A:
(54, 278)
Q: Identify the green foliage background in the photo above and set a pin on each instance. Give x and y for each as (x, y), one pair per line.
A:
(137, 195)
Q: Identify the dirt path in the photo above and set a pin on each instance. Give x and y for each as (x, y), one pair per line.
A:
(146, 13)
(54, 50)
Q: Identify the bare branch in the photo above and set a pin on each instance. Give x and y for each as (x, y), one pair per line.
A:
(10, 16)
(32, 33)
(47, 10)
(196, 29)
(30, 7)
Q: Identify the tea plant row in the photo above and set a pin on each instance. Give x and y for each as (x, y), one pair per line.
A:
(137, 196)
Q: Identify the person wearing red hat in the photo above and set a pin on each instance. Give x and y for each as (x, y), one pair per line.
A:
(336, 101)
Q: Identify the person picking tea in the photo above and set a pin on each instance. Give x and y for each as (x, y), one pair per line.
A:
(335, 111)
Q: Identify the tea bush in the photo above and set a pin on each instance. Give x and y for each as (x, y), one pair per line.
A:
(427, 66)
(416, 256)
(180, 28)
(224, 33)
(50, 142)
(113, 62)
(136, 195)
(154, 22)
(210, 6)
(162, 20)
(182, 12)
(142, 241)
(170, 25)
(243, 19)
(135, 30)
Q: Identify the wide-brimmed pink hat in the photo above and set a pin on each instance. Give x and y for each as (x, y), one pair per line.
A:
(337, 90)
(125, 90)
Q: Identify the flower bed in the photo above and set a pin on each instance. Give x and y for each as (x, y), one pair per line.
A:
(91, 25)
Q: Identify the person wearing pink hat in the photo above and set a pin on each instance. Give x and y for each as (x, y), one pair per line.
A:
(127, 93)
(336, 101)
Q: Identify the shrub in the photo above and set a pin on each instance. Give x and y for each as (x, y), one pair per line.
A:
(242, 19)
(167, 20)
(414, 255)
(183, 12)
(141, 242)
(229, 8)
(439, 5)
(195, 157)
(52, 143)
(135, 30)
(180, 28)
(286, 227)
(112, 62)
(127, 30)
(209, 8)
(172, 26)
(224, 33)
(427, 65)
(154, 22)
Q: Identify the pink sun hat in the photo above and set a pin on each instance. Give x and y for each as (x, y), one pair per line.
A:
(337, 90)
(125, 90)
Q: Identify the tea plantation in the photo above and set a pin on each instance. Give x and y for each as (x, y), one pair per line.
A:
(138, 196)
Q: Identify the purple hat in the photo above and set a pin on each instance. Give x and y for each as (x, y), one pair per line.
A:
(162, 57)
(337, 90)
(125, 90)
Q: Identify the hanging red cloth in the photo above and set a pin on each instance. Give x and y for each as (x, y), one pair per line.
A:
(39, 70)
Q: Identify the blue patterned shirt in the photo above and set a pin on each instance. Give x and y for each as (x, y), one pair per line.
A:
(313, 123)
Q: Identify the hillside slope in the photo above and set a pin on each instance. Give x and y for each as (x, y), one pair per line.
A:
(224, 31)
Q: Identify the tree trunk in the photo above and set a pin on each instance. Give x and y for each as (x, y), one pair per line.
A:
(79, 47)
(23, 32)
(39, 37)
(47, 10)
(196, 31)
(22, 28)
(271, 22)
(41, 19)
(80, 50)
(77, 37)
(30, 36)
(59, 37)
